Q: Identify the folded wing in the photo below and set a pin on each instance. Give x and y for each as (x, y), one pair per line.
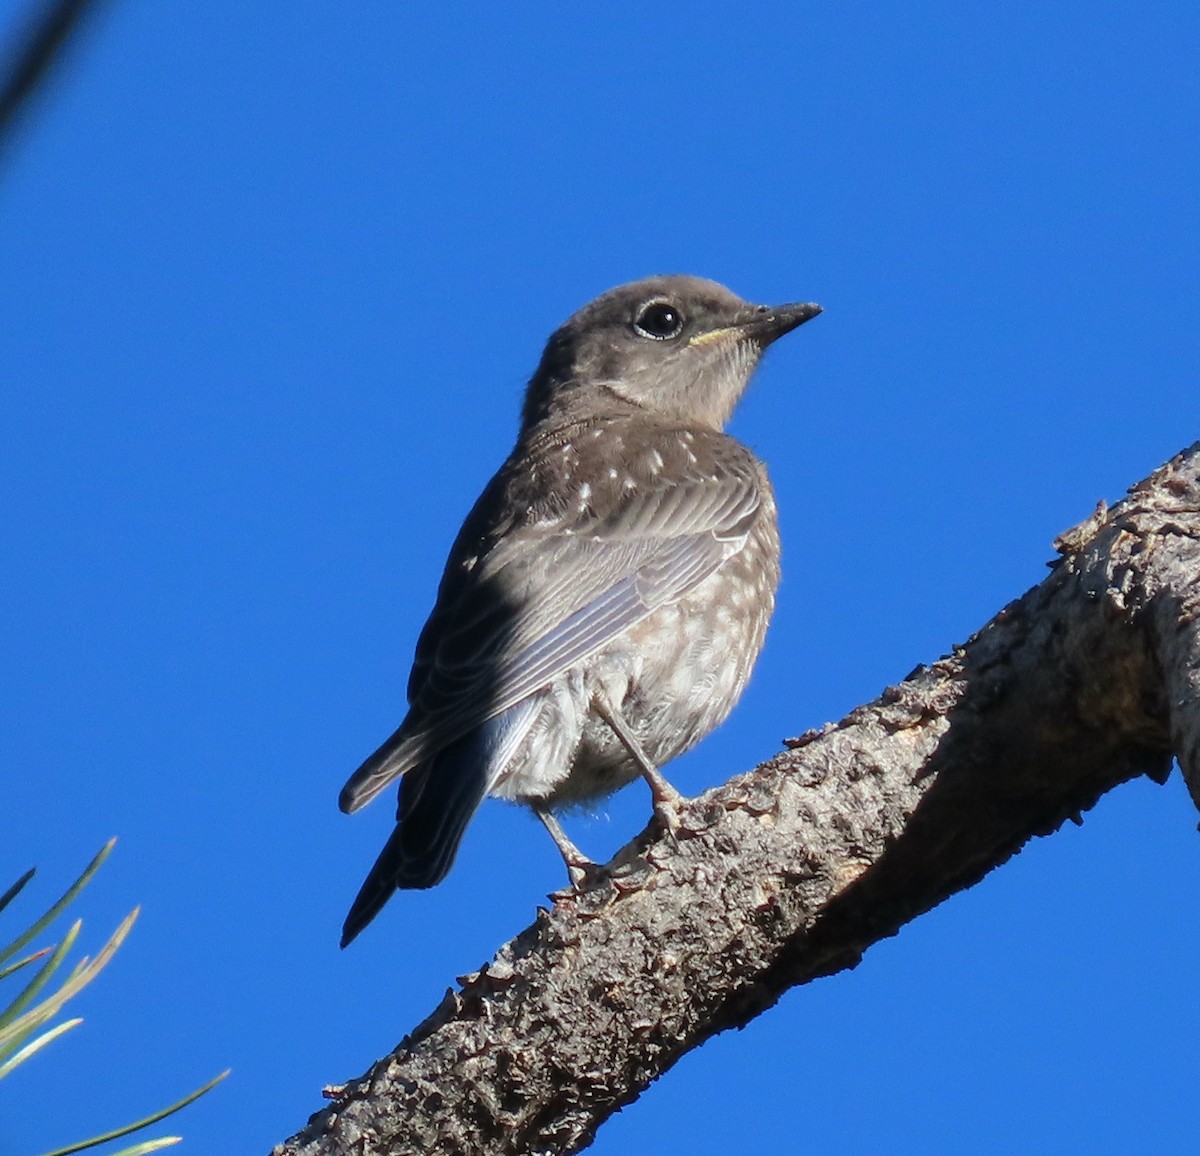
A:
(549, 594)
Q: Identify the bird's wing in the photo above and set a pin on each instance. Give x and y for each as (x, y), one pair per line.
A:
(549, 594)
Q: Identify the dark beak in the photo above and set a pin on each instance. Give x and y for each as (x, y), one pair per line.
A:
(767, 323)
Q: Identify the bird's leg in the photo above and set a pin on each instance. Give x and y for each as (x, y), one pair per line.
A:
(579, 866)
(666, 798)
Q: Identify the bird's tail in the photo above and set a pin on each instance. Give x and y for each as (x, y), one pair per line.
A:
(437, 800)
(400, 753)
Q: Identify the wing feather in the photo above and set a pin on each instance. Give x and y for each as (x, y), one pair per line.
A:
(544, 596)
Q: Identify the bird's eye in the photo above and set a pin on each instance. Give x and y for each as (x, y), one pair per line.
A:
(659, 320)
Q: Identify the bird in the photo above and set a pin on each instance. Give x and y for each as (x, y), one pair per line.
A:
(609, 592)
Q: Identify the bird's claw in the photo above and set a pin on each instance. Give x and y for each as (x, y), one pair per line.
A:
(667, 811)
(583, 875)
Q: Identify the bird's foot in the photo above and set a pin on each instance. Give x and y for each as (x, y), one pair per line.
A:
(668, 802)
(580, 869)
(667, 814)
(584, 873)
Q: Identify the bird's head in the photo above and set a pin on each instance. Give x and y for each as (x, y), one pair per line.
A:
(676, 346)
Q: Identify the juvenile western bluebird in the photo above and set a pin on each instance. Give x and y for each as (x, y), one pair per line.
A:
(606, 598)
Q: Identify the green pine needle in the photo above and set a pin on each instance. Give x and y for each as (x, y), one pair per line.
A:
(13, 968)
(42, 1040)
(16, 888)
(23, 1017)
(45, 921)
(145, 1122)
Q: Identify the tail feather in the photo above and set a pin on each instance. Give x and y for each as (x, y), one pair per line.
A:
(422, 848)
(437, 800)
(400, 753)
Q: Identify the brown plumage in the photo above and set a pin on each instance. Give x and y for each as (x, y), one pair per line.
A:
(606, 598)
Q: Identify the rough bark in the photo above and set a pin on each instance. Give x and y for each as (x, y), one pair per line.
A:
(791, 871)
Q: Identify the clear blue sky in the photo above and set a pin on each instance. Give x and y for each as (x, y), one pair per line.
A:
(273, 278)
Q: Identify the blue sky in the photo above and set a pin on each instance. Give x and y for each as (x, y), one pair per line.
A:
(273, 278)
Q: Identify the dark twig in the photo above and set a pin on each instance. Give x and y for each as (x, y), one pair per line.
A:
(38, 47)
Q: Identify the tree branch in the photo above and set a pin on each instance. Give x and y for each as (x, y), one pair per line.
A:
(791, 871)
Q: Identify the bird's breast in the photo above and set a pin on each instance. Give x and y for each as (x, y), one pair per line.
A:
(696, 655)
(675, 676)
